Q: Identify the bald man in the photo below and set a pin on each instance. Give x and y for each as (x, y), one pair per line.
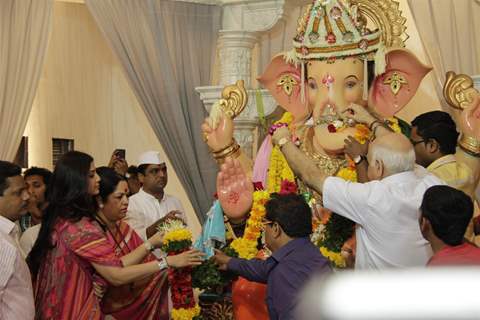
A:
(386, 209)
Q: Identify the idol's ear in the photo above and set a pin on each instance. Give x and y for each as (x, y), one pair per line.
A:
(392, 90)
(283, 80)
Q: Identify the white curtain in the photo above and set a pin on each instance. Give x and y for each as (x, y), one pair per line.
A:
(167, 49)
(450, 36)
(24, 30)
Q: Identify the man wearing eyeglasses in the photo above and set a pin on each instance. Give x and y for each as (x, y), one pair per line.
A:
(434, 137)
(288, 224)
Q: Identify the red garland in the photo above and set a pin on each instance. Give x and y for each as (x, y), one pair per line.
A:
(181, 285)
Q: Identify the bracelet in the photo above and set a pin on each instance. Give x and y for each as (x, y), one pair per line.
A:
(470, 145)
(235, 154)
(234, 147)
(225, 148)
(162, 263)
(375, 122)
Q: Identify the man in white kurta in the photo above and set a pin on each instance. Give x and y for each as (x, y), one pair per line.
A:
(151, 205)
(385, 209)
(386, 212)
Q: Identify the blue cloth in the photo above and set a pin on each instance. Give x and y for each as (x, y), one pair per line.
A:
(213, 230)
(285, 273)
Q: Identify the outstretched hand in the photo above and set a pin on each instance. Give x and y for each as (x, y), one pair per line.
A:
(221, 260)
(234, 190)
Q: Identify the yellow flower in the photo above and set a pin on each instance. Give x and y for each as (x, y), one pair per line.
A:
(186, 314)
(246, 249)
(177, 235)
(393, 124)
(334, 257)
(348, 174)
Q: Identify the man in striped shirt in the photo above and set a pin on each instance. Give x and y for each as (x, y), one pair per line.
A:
(16, 295)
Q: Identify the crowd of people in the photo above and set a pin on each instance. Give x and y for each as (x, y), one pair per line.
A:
(82, 242)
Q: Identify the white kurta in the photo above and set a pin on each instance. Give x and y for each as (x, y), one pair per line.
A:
(144, 210)
(387, 212)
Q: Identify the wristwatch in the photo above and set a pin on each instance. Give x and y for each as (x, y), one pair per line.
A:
(358, 159)
(162, 263)
(282, 141)
(149, 246)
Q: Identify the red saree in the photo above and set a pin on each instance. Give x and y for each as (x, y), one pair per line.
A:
(64, 283)
(64, 286)
(146, 299)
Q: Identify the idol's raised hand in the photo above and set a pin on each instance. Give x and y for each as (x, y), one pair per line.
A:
(470, 119)
(218, 135)
(234, 190)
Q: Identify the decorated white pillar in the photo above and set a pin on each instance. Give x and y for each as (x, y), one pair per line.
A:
(243, 22)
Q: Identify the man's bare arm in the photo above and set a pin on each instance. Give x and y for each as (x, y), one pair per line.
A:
(301, 165)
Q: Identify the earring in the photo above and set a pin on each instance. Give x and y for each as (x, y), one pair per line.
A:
(100, 205)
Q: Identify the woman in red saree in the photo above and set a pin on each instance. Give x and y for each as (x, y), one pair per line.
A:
(73, 250)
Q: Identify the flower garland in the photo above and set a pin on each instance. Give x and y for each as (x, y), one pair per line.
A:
(246, 246)
(178, 239)
(278, 169)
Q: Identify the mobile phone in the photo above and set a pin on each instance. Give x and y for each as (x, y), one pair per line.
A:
(120, 153)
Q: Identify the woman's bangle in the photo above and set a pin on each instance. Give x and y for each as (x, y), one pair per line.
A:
(162, 263)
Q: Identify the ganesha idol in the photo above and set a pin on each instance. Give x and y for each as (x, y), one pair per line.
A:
(337, 60)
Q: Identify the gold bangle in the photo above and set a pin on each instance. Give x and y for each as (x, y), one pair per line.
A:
(225, 148)
(235, 154)
(470, 145)
(228, 152)
(232, 148)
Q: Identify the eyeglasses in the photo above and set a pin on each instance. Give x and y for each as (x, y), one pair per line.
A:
(416, 142)
(266, 222)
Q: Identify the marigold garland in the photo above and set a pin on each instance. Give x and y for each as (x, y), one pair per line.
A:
(246, 247)
(186, 314)
(177, 235)
(278, 169)
(178, 239)
(334, 257)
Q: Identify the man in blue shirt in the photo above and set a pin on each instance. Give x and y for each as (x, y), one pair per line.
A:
(288, 224)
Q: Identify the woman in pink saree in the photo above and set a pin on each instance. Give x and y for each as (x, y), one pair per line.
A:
(75, 250)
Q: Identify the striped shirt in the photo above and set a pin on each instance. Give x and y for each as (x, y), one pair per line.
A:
(16, 295)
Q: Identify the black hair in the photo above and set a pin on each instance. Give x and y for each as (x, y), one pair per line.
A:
(142, 168)
(291, 212)
(42, 172)
(68, 198)
(438, 125)
(109, 180)
(7, 170)
(449, 211)
(132, 170)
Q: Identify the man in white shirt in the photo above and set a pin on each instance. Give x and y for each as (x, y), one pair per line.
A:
(386, 209)
(151, 205)
(16, 294)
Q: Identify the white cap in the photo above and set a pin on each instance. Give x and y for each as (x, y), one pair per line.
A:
(150, 157)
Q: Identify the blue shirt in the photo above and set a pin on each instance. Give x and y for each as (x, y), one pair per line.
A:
(285, 273)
